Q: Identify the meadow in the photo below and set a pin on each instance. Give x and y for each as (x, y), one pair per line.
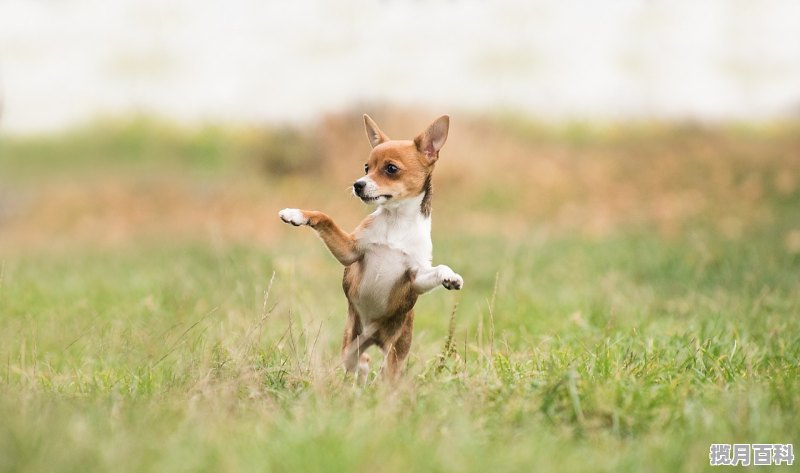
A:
(632, 295)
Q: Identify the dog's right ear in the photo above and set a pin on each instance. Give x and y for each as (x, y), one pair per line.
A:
(374, 133)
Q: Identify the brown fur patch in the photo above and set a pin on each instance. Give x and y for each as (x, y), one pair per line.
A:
(352, 275)
(427, 188)
(353, 327)
(340, 243)
(413, 170)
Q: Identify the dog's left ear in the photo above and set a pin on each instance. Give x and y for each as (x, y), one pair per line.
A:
(430, 141)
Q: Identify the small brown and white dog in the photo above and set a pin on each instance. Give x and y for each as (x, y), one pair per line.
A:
(387, 258)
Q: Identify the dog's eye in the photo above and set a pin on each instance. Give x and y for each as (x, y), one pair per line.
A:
(391, 169)
(366, 168)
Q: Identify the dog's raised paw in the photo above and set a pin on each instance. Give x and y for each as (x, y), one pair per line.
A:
(454, 283)
(451, 280)
(293, 216)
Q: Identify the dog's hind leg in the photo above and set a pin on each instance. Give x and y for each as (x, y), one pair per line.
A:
(396, 350)
(354, 344)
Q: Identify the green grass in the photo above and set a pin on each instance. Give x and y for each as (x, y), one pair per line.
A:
(632, 350)
(614, 355)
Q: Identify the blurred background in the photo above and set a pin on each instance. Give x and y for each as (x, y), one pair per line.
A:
(607, 112)
(620, 190)
(65, 62)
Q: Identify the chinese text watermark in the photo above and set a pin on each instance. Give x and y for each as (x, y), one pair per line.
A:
(746, 454)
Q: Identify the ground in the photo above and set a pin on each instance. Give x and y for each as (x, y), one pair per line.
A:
(631, 297)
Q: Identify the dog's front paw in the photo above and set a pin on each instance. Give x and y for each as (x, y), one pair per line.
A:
(450, 280)
(293, 216)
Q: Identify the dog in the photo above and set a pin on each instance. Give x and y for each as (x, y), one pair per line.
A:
(387, 258)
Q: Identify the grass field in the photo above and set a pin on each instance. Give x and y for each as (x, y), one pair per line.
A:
(632, 295)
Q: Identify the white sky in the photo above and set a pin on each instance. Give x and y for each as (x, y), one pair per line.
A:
(63, 62)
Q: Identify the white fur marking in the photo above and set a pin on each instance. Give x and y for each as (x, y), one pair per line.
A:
(293, 216)
(370, 192)
(398, 239)
(450, 280)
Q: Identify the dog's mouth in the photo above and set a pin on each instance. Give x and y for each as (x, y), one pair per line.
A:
(367, 199)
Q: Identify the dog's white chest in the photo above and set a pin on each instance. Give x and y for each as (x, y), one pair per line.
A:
(393, 244)
(382, 268)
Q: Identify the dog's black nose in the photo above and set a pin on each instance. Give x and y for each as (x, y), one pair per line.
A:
(359, 186)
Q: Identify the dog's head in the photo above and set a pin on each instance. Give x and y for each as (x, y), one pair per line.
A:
(398, 169)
